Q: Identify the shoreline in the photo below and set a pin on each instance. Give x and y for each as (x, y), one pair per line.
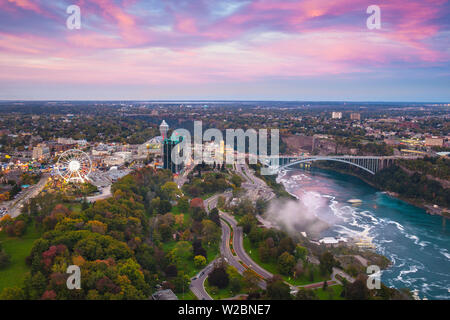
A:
(349, 245)
(428, 207)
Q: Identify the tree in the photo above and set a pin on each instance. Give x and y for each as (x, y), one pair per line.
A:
(214, 216)
(305, 294)
(301, 252)
(171, 271)
(235, 279)
(199, 261)
(12, 294)
(278, 290)
(171, 189)
(286, 263)
(210, 232)
(183, 204)
(357, 290)
(219, 277)
(164, 206)
(181, 252)
(198, 248)
(251, 280)
(247, 223)
(181, 282)
(198, 214)
(236, 180)
(19, 228)
(327, 262)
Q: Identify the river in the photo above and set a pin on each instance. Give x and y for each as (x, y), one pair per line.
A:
(418, 244)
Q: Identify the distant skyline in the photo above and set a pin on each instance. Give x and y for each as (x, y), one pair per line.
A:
(290, 50)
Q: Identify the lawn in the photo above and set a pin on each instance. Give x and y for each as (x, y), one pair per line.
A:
(332, 293)
(18, 249)
(75, 207)
(222, 293)
(189, 295)
(272, 267)
(188, 264)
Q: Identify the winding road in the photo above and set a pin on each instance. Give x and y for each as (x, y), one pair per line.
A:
(240, 259)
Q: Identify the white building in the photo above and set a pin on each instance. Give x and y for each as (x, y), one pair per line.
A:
(336, 115)
(151, 147)
(41, 151)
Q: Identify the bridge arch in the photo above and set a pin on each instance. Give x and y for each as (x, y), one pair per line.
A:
(325, 159)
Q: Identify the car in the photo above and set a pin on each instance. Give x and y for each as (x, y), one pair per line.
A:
(194, 278)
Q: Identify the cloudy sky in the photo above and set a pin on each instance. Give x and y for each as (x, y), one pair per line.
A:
(225, 49)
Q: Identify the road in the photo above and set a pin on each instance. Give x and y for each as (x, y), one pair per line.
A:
(198, 283)
(106, 193)
(238, 246)
(16, 205)
(256, 187)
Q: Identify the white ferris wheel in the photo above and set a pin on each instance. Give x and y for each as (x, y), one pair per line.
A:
(74, 166)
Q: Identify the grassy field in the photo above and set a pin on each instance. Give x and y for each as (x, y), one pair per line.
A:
(19, 249)
(188, 264)
(221, 293)
(332, 293)
(189, 295)
(272, 267)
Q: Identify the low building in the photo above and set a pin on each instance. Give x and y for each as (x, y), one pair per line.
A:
(336, 115)
(434, 142)
(41, 151)
(355, 116)
(152, 147)
(331, 242)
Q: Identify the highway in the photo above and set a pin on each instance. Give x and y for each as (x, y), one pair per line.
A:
(15, 206)
(197, 282)
(238, 246)
(241, 257)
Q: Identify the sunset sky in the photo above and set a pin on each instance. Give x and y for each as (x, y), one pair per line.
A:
(225, 49)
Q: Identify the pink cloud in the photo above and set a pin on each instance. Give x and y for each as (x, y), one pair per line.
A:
(118, 46)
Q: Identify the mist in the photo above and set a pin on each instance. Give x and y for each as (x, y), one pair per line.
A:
(295, 216)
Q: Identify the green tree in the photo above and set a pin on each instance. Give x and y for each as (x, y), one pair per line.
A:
(171, 190)
(199, 261)
(301, 252)
(278, 290)
(210, 232)
(286, 263)
(327, 262)
(12, 294)
(219, 277)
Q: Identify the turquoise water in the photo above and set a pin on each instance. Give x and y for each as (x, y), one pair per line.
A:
(417, 243)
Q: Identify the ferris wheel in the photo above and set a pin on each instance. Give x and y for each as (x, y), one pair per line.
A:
(74, 166)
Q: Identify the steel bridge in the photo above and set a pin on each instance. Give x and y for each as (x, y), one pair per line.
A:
(371, 164)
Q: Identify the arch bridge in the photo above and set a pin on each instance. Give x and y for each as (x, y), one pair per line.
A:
(370, 164)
